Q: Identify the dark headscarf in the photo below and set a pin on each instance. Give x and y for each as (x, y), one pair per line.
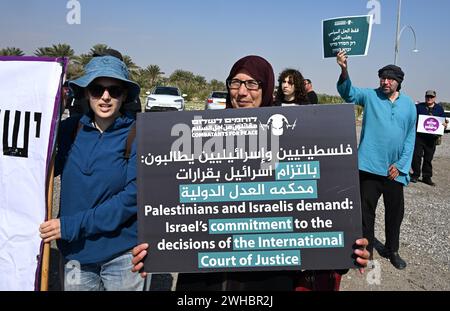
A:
(260, 70)
(392, 72)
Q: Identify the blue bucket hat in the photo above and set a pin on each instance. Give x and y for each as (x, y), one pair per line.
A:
(105, 67)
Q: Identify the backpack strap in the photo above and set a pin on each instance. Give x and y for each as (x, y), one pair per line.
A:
(76, 129)
(130, 139)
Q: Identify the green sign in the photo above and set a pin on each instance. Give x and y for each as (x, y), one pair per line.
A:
(351, 33)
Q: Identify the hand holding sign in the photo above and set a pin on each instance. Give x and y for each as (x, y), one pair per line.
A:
(50, 230)
(431, 125)
(139, 252)
(341, 59)
(351, 34)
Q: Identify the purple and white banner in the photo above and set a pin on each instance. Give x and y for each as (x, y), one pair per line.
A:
(430, 124)
(29, 112)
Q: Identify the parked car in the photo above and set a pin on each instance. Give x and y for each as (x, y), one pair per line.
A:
(163, 98)
(447, 117)
(216, 100)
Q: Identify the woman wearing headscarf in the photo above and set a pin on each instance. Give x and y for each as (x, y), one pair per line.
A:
(97, 225)
(250, 84)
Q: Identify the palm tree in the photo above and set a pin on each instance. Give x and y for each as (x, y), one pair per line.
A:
(74, 71)
(43, 51)
(182, 76)
(199, 87)
(139, 77)
(200, 81)
(99, 49)
(56, 50)
(82, 59)
(217, 85)
(62, 50)
(132, 67)
(154, 73)
(11, 51)
(186, 81)
(148, 77)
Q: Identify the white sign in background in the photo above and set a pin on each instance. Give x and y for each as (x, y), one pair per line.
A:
(27, 103)
(430, 124)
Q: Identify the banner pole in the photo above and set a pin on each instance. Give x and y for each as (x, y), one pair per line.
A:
(46, 252)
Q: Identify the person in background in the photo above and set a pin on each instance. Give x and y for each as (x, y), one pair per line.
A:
(97, 225)
(67, 98)
(312, 96)
(250, 85)
(425, 145)
(291, 90)
(385, 150)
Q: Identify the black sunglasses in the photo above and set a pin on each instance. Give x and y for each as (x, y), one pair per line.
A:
(97, 90)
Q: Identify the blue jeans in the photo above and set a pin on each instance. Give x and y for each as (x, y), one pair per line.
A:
(113, 275)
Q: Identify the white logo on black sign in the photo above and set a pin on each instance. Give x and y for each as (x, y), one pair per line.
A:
(277, 123)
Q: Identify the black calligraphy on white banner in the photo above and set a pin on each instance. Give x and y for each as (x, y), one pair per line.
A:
(15, 142)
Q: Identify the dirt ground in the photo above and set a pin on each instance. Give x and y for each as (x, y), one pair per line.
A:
(425, 240)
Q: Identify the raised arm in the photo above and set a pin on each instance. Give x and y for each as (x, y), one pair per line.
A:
(341, 59)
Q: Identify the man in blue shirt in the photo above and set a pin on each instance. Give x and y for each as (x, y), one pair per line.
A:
(426, 143)
(385, 151)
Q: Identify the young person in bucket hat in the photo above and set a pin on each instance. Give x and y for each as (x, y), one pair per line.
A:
(80, 105)
(97, 224)
(385, 151)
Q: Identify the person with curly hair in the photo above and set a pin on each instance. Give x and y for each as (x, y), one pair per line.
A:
(291, 89)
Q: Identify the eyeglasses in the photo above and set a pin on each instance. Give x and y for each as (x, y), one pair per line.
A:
(97, 90)
(430, 96)
(249, 84)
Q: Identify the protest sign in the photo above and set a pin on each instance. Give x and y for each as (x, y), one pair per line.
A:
(248, 189)
(430, 124)
(351, 33)
(28, 117)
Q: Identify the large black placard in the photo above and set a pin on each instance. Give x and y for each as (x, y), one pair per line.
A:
(248, 189)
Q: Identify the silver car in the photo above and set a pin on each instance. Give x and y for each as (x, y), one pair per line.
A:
(163, 98)
(216, 100)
